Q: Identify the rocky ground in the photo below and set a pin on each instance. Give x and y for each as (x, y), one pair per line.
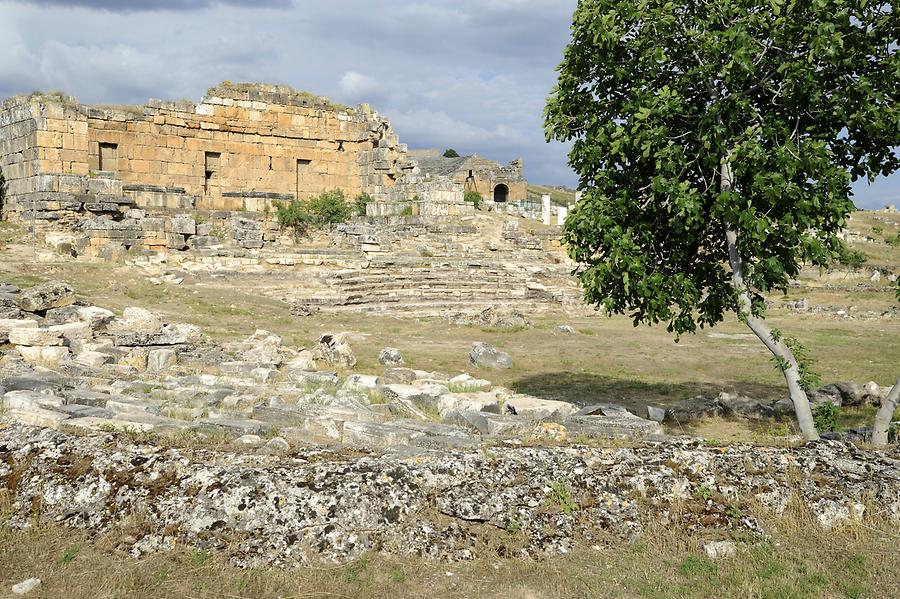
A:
(283, 455)
(317, 505)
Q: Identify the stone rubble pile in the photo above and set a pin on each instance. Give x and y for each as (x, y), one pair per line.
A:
(842, 312)
(315, 505)
(318, 462)
(76, 367)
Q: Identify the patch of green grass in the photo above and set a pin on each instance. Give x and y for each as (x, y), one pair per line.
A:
(199, 557)
(560, 495)
(358, 572)
(69, 555)
(397, 575)
(376, 397)
(429, 409)
(698, 566)
(466, 388)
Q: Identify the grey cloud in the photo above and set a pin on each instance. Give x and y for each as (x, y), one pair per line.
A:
(468, 74)
(152, 5)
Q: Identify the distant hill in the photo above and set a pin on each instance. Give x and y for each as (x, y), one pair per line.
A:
(559, 195)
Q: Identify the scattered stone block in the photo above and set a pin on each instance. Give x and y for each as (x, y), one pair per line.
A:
(390, 356)
(26, 586)
(747, 407)
(87, 398)
(361, 382)
(265, 375)
(312, 378)
(695, 408)
(428, 394)
(249, 441)
(467, 402)
(160, 359)
(94, 359)
(135, 358)
(401, 376)
(43, 356)
(720, 549)
(656, 414)
(72, 331)
(7, 324)
(35, 337)
(533, 407)
(373, 434)
(485, 355)
(277, 446)
(138, 320)
(334, 350)
(52, 294)
(125, 405)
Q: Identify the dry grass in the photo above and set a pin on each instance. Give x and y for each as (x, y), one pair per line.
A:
(608, 360)
(797, 560)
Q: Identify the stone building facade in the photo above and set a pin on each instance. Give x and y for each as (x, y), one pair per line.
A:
(243, 147)
(494, 181)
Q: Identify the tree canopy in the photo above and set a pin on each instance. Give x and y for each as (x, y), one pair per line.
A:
(451, 153)
(797, 99)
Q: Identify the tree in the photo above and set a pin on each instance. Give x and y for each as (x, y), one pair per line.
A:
(716, 142)
(451, 153)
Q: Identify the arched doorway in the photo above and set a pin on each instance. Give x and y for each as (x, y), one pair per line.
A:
(501, 193)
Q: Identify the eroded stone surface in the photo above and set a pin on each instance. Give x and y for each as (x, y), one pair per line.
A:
(313, 505)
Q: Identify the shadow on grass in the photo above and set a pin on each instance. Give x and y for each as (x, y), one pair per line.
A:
(584, 389)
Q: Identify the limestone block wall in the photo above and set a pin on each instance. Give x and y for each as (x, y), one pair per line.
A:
(43, 153)
(416, 196)
(244, 142)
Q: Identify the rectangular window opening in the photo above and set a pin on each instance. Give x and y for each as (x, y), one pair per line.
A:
(302, 166)
(210, 168)
(109, 157)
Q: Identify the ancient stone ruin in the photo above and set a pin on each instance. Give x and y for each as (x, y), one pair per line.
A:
(243, 148)
(108, 416)
(495, 182)
(292, 455)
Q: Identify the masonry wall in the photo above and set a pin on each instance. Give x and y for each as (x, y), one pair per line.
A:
(245, 142)
(233, 146)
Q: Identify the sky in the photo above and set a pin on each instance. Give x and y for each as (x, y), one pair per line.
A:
(473, 75)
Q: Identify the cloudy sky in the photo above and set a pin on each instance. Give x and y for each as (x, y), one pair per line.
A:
(467, 74)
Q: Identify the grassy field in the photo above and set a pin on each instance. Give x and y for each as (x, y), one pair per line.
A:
(798, 560)
(607, 360)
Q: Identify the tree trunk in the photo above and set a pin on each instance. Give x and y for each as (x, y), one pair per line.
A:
(759, 327)
(885, 415)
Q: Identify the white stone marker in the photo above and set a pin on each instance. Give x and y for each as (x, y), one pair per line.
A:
(545, 208)
(561, 215)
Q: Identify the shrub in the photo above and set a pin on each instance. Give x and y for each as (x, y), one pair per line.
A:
(362, 200)
(329, 208)
(451, 153)
(892, 240)
(294, 216)
(474, 198)
(825, 417)
(850, 257)
(407, 211)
